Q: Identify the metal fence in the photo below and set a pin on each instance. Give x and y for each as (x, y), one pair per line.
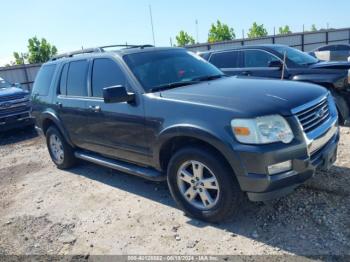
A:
(23, 74)
(306, 41)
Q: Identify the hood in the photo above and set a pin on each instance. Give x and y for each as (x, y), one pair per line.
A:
(331, 65)
(249, 97)
(9, 91)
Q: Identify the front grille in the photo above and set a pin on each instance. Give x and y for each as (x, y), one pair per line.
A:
(314, 116)
(14, 110)
(11, 97)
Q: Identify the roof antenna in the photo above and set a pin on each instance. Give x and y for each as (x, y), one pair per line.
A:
(284, 64)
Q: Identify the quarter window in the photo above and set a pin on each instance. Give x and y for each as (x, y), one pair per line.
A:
(226, 59)
(77, 78)
(105, 73)
(257, 58)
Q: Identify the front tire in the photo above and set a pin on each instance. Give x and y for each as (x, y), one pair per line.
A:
(203, 185)
(62, 154)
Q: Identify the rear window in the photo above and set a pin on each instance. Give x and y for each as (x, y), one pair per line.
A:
(43, 80)
(226, 59)
(63, 81)
(77, 78)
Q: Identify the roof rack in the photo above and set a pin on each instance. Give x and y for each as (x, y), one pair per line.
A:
(126, 46)
(100, 49)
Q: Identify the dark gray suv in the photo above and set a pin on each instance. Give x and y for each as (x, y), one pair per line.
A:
(167, 114)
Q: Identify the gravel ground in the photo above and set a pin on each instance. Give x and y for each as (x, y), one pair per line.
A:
(91, 210)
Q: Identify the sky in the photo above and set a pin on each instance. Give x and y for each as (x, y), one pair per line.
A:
(71, 24)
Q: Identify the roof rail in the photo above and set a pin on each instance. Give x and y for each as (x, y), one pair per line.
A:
(126, 46)
(78, 52)
(96, 50)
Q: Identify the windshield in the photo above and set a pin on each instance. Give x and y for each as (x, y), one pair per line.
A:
(172, 68)
(4, 83)
(296, 56)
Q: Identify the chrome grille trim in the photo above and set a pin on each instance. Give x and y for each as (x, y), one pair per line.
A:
(313, 115)
(11, 97)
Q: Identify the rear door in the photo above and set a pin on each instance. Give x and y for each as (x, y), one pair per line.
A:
(71, 100)
(256, 63)
(229, 62)
(117, 129)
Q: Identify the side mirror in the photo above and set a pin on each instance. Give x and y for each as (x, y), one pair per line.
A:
(117, 94)
(276, 63)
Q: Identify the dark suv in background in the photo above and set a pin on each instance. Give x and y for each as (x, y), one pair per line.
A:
(267, 61)
(340, 52)
(167, 114)
(15, 106)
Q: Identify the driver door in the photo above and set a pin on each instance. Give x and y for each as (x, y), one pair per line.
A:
(116, 129)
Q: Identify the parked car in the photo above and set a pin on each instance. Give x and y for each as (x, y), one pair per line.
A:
(167, 114)
(15, 106)
(267, 61)
(332, 52)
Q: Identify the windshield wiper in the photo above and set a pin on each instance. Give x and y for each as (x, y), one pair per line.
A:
(173, 85)
(208, 78)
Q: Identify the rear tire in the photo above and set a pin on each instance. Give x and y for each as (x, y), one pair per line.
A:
(214, 196)
(62, 154)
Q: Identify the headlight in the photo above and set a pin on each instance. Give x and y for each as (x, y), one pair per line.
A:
(262, 130)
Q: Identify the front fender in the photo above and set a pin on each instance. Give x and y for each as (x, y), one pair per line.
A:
(202, 134)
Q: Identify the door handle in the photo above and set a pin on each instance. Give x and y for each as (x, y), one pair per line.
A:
(246, 73)
(95, 108)
(59, 104)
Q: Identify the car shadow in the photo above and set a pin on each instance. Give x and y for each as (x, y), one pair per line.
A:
(305, 223)
(17, 135)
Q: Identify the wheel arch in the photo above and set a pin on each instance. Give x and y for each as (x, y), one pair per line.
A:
(175, 138)
(50, 119)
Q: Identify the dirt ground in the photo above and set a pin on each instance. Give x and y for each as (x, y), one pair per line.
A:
(91, 210)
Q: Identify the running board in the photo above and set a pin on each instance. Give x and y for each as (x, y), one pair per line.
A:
(144, 172)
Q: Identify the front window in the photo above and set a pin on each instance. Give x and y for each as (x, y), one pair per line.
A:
(4, 83)
(258, 58)
(296, 56)
(157, 69)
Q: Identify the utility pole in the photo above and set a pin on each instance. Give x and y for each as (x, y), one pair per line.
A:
(171, 41)
(151, 16)
(197, 31)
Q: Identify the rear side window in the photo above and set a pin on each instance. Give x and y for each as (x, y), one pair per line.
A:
(63, 81)
(328, 48)
(77, 78)
(257, 58)
(43, 80)
(226, 59)
(105, 73)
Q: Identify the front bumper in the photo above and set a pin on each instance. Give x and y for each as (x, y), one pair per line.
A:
(17, 121)
(262, 187)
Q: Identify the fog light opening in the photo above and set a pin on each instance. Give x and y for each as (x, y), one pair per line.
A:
(280, 168)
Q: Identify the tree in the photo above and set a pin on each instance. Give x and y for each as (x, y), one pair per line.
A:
(284, 30)
(314, 28)
(220, 32)
(184, 39)
(257, 31)
(20, 59)
(39, 51)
